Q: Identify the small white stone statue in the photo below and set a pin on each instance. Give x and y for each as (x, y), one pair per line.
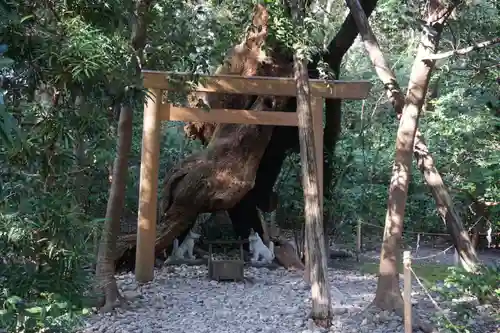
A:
(260, 252)
(187, 246)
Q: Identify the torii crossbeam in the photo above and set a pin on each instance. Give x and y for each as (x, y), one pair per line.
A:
(156, 111)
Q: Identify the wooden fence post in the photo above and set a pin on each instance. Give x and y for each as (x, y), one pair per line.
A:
(407, 291)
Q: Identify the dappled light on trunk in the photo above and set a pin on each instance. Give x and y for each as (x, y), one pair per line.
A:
(105, 270)
(388, 295)
(446, 209)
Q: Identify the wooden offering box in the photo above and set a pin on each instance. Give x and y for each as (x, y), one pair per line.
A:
(226, 269)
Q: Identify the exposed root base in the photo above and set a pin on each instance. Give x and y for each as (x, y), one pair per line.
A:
(319, 322)
(111, 297)
(324, 323)
(112, 304)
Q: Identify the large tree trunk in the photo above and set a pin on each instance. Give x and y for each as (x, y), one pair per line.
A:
(424, 159)
(212, 179)
(285, 138)
(219, 177)
(388, 295)
(244, 214)
(105, 269)
(337, 48)
(230, 176)
(277, 149)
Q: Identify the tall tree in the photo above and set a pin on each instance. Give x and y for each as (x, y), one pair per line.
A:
(316, 256)
(422, 155)
(388, 295)
(105, 270)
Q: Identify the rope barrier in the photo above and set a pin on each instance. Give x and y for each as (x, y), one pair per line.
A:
(433, 255)
(432, 233)
(489, 237)
(436, 305)
(413, 258)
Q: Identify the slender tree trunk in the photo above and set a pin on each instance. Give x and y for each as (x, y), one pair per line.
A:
(382, 68)
(316, 259)
(388, 295)
(460, 236)
(315, 246)
(106, 256)
(105, 263)
(424, 159)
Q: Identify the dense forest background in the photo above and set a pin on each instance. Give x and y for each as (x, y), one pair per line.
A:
(68, 65)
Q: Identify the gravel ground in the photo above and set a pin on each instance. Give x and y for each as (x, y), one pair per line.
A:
(181, 299)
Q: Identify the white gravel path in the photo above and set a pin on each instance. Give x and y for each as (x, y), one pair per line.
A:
(182, 299)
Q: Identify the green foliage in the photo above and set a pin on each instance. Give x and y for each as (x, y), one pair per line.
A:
(458, 287)
(70, 64)
(68, 68)
(460, 129)
(45, 245)
(483, 284)
(430, 274)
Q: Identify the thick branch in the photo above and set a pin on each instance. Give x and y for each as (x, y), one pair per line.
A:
(444, 203)
(346, 35)
(465, 50)
(384, 72)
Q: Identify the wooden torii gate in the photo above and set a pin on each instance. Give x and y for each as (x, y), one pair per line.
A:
(156, 111)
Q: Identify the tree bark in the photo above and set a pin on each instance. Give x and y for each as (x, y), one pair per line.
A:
(423, 158)
(218, 177)
(446, 209)
(388, 295)
(107, 248)
(316, 258)
(212, 180)
(315, 245)
(105, 259)
(384, 72)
